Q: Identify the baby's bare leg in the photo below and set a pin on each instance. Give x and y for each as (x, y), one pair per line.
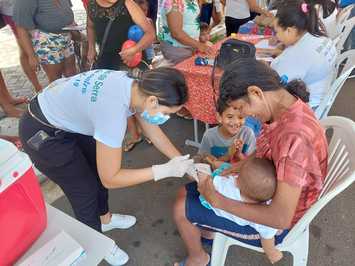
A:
(273, 254)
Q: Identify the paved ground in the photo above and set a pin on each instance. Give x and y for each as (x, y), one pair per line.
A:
(154, 241)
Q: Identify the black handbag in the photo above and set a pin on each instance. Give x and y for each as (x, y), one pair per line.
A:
(230, 51)
(233, 49)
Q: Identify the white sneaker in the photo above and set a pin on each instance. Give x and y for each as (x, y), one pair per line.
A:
(117, 256)
(119, 221)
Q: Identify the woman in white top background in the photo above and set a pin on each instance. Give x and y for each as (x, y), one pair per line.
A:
(239, 12)
(327, 13)
(309, 54)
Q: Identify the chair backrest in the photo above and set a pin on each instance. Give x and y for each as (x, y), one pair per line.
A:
(328, 99)
(344, 62)
(341, 170)
(343, 16)
(345, 31)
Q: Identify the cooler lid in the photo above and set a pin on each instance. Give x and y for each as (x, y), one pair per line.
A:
(7, 150)
(13, 164)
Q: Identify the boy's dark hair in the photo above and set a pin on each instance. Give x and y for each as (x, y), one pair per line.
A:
(257, 179)
(290, 14)
(204, 26)
(246, 72)
(222, 105)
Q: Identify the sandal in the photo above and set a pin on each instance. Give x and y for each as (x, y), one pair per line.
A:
(148, 141)
(130, 144)
(183, 262)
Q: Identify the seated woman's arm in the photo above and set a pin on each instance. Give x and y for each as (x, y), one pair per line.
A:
(278, 214)
(253, 6)
(175, 24)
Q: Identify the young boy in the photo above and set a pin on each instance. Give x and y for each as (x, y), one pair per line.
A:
(256, 183)
(220, 144)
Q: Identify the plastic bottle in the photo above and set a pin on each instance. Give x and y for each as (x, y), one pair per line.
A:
(234, 35)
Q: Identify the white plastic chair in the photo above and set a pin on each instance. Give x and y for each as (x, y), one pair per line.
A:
(341, 174)
(345, 31)
(345, 61)
(343, 16)
(329, 98)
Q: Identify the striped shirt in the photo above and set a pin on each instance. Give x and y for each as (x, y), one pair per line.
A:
(297, 145)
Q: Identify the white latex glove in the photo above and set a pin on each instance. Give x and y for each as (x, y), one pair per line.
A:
(199, 167)
(176, 167)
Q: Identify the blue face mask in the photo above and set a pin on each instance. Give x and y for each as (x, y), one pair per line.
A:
(254, 124)
(157, 119)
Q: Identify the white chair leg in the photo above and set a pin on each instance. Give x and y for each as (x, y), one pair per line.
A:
(219, 250)
(299, 249)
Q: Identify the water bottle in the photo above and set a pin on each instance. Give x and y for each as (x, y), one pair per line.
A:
(149, 53)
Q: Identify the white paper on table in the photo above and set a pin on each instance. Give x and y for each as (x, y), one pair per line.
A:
(264, 58)
(62, 250)
(264, 44)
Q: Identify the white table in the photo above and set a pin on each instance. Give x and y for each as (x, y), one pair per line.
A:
(94, 243)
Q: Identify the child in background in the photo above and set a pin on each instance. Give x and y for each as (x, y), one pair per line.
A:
(149, 52)
(205, 33)
(256, 183)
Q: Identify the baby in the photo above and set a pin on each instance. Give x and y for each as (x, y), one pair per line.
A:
(256, 183)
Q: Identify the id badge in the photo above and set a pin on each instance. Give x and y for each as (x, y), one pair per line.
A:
(37, 140)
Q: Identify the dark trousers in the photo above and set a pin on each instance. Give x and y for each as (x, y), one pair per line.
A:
(110, 60)
(233, 24)
(206, 13)
(69, 160)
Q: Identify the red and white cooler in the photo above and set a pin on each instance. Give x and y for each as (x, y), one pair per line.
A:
(23, 215)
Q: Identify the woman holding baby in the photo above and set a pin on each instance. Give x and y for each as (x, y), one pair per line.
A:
(291, 138)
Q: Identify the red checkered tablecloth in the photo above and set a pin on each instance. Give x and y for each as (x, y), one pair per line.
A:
(201, 102)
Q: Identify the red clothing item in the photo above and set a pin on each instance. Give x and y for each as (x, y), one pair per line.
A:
(297, 145)
(85, 3)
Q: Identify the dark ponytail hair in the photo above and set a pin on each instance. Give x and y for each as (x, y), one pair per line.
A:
(291, 14)
(246, 72)
(167, 84)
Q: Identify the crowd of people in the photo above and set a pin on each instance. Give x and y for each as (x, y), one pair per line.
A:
(268, 148)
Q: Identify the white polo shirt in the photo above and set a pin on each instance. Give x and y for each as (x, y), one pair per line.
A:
(238, 9)
(311, 59)
(95, 103)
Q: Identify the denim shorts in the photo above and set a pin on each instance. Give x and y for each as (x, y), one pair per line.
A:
(206, 219)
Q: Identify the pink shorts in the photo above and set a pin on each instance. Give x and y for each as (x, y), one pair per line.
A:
(9, 21)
